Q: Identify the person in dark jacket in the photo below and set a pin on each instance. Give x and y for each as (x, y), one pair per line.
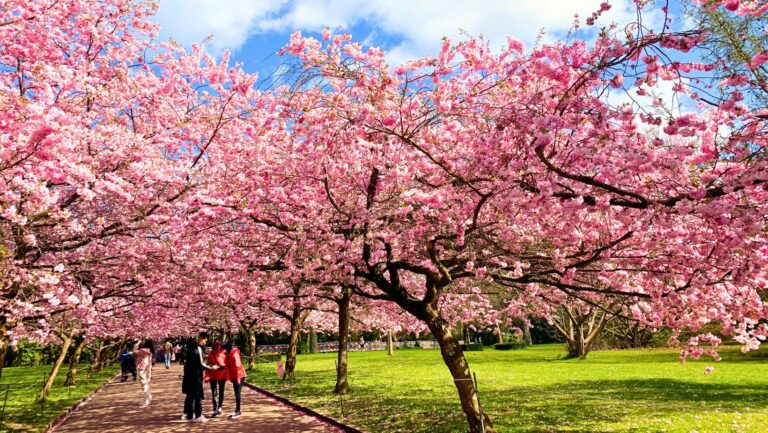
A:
(192, 383)
(127, 363)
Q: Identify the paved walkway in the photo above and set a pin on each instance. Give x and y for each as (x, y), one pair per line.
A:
(116, 409)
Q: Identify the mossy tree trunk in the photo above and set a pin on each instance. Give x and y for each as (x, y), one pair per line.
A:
(66, 338)
(95, 357)
(75, 360)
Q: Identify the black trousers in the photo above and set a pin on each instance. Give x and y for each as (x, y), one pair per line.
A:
(193, 405)
(217, 385)
(238, 386)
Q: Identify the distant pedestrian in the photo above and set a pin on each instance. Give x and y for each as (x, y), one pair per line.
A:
(192, 384)
(235, 374)
(144, 356)
(180, 354)
(168, 348)
(362, 343)
(217, 378)
(127, 363)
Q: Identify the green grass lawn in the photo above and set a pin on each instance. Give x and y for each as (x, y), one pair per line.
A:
(535, 390)
(23, 414)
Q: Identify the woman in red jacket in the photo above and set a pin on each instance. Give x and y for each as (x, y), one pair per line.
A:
(235, 374)
(217, 378)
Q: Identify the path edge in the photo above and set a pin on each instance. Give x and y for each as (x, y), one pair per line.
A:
(305, 410)
(58, 421)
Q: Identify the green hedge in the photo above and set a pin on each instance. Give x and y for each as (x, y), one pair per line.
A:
(509, 346)
(472, 347)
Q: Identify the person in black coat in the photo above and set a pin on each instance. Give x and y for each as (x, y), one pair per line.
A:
(127, 362)
(192, 383)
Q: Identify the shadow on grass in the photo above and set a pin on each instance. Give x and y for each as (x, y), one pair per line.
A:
(371, 405)
(24, 414)
(532, 390)
(590, 405)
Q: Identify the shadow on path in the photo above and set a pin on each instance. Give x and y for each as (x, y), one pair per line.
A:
(116, 409)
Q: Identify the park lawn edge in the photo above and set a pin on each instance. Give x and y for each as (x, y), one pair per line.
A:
(346, 428)
(62, 417)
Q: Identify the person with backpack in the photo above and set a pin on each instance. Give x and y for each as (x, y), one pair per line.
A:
(127, 363)
(192, 383)
(235, 374)
(217, 378)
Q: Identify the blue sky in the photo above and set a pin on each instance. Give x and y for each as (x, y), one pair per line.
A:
(255, 29)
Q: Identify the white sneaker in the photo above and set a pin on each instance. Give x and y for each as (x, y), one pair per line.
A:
(201, 418)
(183, 417)
(235, 415)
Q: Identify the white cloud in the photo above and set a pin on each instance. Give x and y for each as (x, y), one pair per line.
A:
(231, 22)
(420, 24)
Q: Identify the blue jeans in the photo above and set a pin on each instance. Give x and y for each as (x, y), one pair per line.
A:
(167, 359)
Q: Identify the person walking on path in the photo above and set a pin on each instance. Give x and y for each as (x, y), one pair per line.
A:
(235, 374)
(144, 366)
(179, 352)
(217, 378)
(127, 363)
(192, 384)
(168, 348)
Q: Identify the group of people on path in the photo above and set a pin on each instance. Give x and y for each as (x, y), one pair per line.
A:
(221, 365)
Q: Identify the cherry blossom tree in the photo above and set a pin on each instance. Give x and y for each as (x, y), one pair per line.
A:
(141, 180)
(520, 168)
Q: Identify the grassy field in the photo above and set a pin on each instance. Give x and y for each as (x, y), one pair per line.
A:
(535, 390)
(23, 414)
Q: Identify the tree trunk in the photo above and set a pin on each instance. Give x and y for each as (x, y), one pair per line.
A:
(499, 334)
(67, 338)
(251, 333)
(5, 328)
(312, 341)
(72, 373)
(454, 359)
(112, 353)
(390, 345)
(575, 348)
(575, 341)
(342, 384)
(290, 357)
(527, 334)
(95, 358)
(106, 352)
(3, 351)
